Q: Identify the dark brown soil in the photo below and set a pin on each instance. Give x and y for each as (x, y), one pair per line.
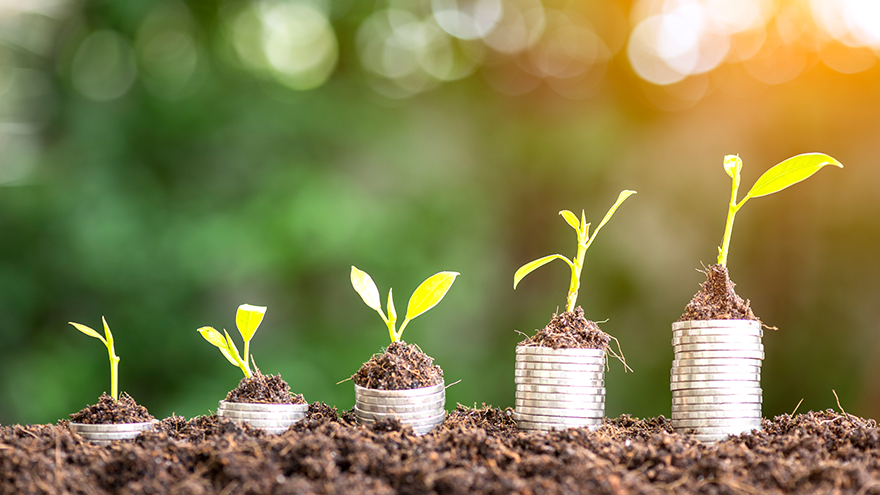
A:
(569, 330)
(716, 299)
(264, 389)
(107, 411)
(400, 367)
(475, 451)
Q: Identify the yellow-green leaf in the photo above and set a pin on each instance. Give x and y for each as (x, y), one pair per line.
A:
(107, 333)
(213, 336)
(429, 293)
(733, 165)
(392, 313)
(584, 233)
(231, 350)
(571, 218)
(533, 265)
(789, 172)
(620, 199)
(248, 319)
(88, 331)
(365, 287)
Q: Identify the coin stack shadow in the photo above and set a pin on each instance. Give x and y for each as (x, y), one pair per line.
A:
(103, 434)
(422, 408)
(716, 377)
(273, 418)
(559, 388)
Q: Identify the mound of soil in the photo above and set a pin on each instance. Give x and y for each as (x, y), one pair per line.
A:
(474, 451)
(264, 389)
(400, 367)
(108, 411)
(569, 330)
(716, 299)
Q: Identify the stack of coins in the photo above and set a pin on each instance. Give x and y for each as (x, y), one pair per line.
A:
(106, 433)
(422, 408)
(273, 418)
(716, 377)
(559, 388)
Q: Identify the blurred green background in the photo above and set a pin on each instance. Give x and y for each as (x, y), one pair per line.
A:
(162, 162)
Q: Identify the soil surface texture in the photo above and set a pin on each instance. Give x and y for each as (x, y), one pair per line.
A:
(107, 411)
(474, 451)
(716, 299)
(569, 330)
(400, 367)
(264, 389)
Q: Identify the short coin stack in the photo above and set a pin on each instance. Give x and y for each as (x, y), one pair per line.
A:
(422, 408)
(273, 418)
(108, 432)
(716, 377)
(559, 388)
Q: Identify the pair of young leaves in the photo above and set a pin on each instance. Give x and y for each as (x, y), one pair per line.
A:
(108, 343)
(425, 297)
(247, 320)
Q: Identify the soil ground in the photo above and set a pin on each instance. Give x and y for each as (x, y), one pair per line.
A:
(400, 367)
(569, 330)
(716, 299)
(474, 451)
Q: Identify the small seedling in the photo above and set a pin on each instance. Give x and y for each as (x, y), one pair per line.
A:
(584, 240)
(780, 176)
(114, 359)
(425, 297)
(247, 319)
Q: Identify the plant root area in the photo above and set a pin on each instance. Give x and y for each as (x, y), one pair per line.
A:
(474, 451)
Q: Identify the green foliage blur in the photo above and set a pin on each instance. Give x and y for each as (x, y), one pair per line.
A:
(165, 209)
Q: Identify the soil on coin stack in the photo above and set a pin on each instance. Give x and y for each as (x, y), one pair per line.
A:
(108, 411)
(400, 367)
(476, 451)
(569, 330)
(716, 299)
(264, 389)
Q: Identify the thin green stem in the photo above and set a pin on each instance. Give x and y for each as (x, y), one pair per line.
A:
(728, 228)
(402, 326)
(576, 267)
(247, 349)
(114, 373)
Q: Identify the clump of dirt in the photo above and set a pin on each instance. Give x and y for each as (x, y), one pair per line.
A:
(569, 330)
(109, 411)
(400, 367)
(264, 389)
(716, 299)
(493, 420)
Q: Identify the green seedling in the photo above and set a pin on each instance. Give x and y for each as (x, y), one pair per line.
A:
(247, 320)
(425, 297)
(114, 359)
(584, 241)
(780, 176)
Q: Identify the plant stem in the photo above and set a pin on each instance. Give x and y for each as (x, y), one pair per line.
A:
(576, 267)
(396, 337)
(728, 228)
(114, 373)
(247, 367)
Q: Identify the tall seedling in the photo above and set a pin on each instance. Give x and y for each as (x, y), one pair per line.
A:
(780, 176)
(108, 343)
(425, 297)
(247, 320)
(582, 228)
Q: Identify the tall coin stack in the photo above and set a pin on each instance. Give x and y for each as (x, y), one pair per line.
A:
(559, 388)
(422, 408)
(716, 377)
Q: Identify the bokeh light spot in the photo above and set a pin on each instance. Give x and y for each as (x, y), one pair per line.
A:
(104, 66)
(467, 19)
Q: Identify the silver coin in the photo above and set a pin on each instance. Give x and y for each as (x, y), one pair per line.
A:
(528, 365)
(590, 375)
(718, 354)
(716, 339)
(715, 369)
(747, 386)
(562, 404)
(555, 382)
(709, 377)
(718, 408)
(430, 413)
(719, 430)
(740, 324)
(261, 415)
(717, 423)
(260, 407)
(561, 398)
(431, 421)
(716, 362)
(112, 427)
(718, 332)
(739, 414)
(541, 358)
(733, 346)
(717, 399)
(412, 401)
(99, 437)
(560, 390)
(557, 420)
(547, 351)
(754, 392)
(413, 392)
(258, 423)
(530, 426)
(380, 408)
(562, 413)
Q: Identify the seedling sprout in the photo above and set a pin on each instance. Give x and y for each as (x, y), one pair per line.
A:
(247, 320)
(584, 241)
(425, 297)
(780, 176)
(114, 359)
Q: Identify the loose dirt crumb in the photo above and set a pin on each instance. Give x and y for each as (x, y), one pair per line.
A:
(569, 330)
(108, 411)
(716, 299)
(400, 367)
(264, 389)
